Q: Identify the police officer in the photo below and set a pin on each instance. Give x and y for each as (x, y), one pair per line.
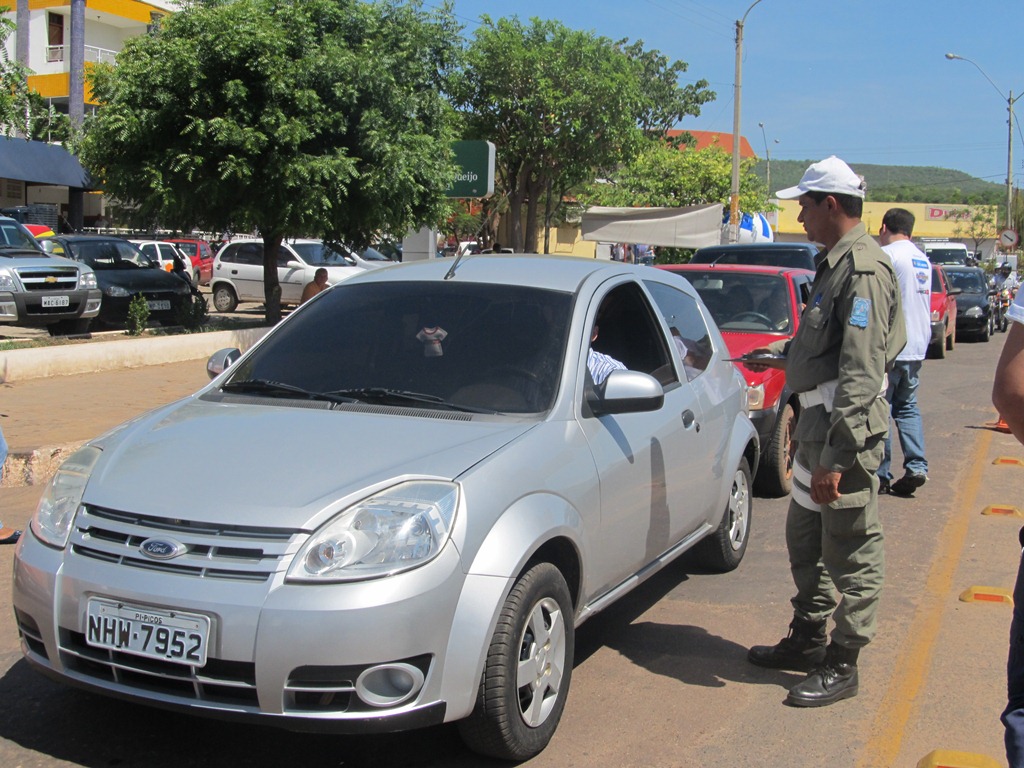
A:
(849, 335)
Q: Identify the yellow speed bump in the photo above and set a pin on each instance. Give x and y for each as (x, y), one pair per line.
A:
(1003, 510)
(986, 595)
(946, 758)
(1010, 461)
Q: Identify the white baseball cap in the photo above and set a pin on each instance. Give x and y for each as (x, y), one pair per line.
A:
(830, 175)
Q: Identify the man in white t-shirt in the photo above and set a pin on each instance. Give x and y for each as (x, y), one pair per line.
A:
(914, 273)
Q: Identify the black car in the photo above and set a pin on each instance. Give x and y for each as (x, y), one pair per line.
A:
(794, 255)
(124, 272)
(974, 314)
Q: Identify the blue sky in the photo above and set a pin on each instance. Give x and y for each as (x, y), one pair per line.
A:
(865, 79)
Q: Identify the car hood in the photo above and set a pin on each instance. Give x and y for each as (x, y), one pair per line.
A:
(279, 465)
(967, 300)
(142, 280)
(742, 343)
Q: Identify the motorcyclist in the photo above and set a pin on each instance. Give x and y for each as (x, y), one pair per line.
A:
(1007, 278)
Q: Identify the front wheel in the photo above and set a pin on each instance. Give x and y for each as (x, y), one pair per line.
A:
(775, 476)
(723, 550)
(527, 671)
(951, 339)
(224, 299)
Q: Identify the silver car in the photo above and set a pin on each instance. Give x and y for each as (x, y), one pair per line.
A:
(421, 493)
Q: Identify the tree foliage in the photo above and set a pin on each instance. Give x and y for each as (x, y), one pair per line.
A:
(559, 104)
(14, 94)
(291, 118)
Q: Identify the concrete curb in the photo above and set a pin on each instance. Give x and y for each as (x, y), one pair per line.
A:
(38, 466)
(38, 362)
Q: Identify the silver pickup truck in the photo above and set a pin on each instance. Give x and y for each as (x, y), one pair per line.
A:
(40, 290)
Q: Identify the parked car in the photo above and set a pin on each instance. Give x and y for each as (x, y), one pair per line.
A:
(366, 258)
(124, 272)
(201, 254)
(238, 270)
(794, 255)
(974, 311)
(753, 307)
(38, 290)
(168, 257)
(943, 314)
(413, 518)
(944, 252)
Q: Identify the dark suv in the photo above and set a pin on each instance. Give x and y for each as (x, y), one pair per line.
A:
(794, 255)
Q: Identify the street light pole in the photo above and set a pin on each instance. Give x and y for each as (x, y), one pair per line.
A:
(734, 198)
(767, 159)
(1010, 101)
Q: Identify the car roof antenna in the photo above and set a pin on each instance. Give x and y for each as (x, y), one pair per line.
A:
(451, 271)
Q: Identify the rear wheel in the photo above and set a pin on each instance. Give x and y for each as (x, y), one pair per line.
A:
(775, 476)
(723, 550)
(224, 299)
(527, 671)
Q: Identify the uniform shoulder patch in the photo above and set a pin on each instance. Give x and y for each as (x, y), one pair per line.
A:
(860, 312)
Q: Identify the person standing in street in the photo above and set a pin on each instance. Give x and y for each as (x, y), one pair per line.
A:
(1008, 398)
(314, 286)
(914, 273)
(849, 336)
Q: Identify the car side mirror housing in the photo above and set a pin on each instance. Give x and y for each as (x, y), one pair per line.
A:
(221, 360)
(955, 291)
(626, 392)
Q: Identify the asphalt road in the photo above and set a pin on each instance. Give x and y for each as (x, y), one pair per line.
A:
(660, 678)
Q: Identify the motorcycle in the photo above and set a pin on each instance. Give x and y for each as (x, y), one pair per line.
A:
(1004, 298)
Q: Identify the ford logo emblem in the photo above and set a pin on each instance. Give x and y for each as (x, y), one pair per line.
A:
(162, 549)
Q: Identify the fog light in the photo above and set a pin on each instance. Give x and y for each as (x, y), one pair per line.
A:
(8, 309)
(389, 685)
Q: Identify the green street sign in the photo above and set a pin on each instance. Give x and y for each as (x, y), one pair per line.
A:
(475, 176)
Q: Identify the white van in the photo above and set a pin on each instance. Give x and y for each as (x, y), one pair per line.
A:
(945, 252)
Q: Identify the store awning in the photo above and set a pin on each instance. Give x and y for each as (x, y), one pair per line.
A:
(693, 226)
(36, 162)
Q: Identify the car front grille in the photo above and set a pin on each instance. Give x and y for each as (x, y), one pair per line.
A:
(37, 279)
(232, 553)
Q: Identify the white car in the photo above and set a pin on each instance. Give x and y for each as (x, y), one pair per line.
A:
(238, 270)
(165, 254)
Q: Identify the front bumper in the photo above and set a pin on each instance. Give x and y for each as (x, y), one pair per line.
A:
(26, 308)
(285, 654)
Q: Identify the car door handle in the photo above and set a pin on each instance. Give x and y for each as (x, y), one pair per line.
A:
(689, 420)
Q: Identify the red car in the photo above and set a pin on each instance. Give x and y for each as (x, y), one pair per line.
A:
(753, 307)
(200, 253)
(943, 314)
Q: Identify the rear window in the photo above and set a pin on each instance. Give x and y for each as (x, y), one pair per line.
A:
(947, 255)
(800, 258)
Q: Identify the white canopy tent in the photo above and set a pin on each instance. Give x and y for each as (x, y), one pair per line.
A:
(694, 226)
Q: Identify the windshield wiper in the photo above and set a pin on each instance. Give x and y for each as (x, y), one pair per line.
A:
(267, 387)
(384, 395)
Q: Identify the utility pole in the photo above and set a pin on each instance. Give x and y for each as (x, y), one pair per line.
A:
(734, 198)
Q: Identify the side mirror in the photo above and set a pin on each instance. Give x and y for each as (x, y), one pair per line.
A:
(626, 392)
(955, 291)
(220, 361)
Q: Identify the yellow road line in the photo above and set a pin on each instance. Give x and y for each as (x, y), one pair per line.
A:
(911, 671)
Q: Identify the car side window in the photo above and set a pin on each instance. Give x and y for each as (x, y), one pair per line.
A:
(629, 333)
(283, 257)
(686, 323)
(250, 254)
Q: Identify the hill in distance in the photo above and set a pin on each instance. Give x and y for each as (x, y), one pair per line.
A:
(900, 183)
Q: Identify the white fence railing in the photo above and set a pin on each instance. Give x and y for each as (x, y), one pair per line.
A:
(92, 54)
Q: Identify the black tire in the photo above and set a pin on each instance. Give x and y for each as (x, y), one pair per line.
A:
(984, 333)
(224, 298)
(951, 339)
(535, 633)
(775, 475)
(938, 349)
(723, 550)
(1003, 323)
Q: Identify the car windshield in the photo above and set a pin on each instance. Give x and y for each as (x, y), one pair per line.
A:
(799, 258)
(14, 235)
(968, 282)
(947, 256)
(109, 254)
(372, 254)
(447, 345)
(320, 254)
(744, 302)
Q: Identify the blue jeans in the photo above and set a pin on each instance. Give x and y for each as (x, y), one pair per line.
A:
(902, 397)
(1013, 715)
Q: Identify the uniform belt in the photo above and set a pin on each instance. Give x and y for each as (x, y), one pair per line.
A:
(825, 394)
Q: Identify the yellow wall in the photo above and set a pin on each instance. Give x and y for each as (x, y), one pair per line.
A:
(58, 86)
(930, 219)
(126, 9)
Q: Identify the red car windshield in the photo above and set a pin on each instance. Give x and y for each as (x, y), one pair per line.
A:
(745, 302)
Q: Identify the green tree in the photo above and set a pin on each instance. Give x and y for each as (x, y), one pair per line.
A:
(977, 223)
(293, 118)
(14, 94)
(664, 175)
(560, 104)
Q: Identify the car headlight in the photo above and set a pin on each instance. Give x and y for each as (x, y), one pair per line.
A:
(59, 503)
(87, 280)
(7, 281)
(973, 312)
(755, 398)
(117, 291)
(400, 528)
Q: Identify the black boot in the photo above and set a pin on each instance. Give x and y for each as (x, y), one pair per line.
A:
(802, 650)
(834, 680)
